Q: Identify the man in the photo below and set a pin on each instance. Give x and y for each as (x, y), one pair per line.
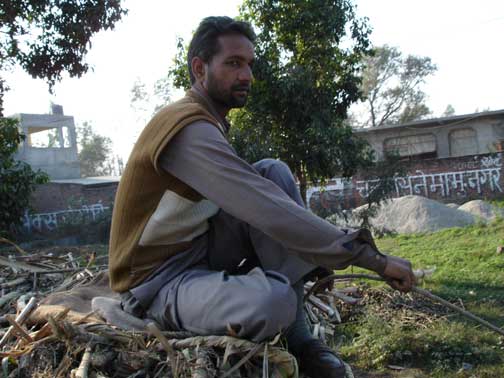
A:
(204, 242)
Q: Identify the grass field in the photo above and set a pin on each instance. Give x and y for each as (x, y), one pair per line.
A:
(469, 272)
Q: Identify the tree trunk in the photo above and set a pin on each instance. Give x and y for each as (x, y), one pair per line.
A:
(3, 89)
(303, 186)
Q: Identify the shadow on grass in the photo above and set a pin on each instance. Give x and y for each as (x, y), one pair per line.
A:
(486, 301)
(437, 346)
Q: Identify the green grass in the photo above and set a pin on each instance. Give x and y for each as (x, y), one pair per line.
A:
(467, 265)
(467, 270)
(498, 203)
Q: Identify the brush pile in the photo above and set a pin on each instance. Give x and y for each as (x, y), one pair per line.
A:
(57, 344)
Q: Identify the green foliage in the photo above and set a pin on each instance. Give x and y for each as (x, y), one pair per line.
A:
(449, 111)
(94, 151)
(48, 37)
(441, 346)
(179, 73)
(391, 86)
(497, 203)
(304, 83)
(382, 174)
(17, 179)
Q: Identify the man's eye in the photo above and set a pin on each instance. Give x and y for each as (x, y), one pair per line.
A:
(234, 63)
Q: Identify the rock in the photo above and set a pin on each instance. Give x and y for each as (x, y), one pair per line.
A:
(453, 205)
(482, 210)
(415, 214)
(411, 214)
(348, 220)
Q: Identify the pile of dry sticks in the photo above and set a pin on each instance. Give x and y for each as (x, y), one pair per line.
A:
(61, 346)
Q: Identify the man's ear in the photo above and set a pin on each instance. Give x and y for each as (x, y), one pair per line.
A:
(198, 68)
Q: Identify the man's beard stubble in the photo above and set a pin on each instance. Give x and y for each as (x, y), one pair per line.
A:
(224, 97)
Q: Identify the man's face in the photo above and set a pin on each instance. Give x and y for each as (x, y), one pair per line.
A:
(229, 72)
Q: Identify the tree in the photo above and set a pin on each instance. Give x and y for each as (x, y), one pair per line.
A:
(94, 151)
(304, 83)
(17, 179)
(449, 111)
(391, 85)
(49, 37)
(178, 74)
(148, 102)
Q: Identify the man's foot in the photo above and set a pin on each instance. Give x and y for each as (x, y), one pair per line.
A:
(317, 360)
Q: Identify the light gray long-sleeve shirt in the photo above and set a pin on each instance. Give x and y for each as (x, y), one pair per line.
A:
(200, 156)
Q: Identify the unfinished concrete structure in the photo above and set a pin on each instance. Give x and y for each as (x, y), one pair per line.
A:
(454, 136)
(50, 144)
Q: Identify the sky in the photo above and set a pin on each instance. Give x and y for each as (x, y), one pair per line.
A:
(463, 38)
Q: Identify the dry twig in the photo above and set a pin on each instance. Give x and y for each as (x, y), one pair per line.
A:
(18, 329)
(82, 370)
(166, 345)
(20, 319)
(415, 289)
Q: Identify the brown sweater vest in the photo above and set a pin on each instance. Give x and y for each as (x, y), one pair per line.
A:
(141, 189)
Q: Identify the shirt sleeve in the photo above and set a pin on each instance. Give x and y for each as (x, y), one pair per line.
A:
(200, 156)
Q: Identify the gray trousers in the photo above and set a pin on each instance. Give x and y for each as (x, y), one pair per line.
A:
(240, 283)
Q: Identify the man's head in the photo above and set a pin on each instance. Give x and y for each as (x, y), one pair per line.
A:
(219, 60)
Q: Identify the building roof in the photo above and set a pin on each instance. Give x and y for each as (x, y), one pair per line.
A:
(43, 121)
(433, 122)
(90, 181)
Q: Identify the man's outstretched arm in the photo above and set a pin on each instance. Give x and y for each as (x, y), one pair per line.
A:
(200, 156)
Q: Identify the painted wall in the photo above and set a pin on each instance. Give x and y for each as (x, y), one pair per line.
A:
(449, 180)
(68, 207)
(60, 209)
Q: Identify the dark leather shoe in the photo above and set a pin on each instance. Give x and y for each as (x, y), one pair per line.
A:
(317, 360)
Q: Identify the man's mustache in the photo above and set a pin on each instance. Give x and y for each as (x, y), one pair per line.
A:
(241, 88)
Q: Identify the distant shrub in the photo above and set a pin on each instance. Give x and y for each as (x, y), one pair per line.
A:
(17, 179)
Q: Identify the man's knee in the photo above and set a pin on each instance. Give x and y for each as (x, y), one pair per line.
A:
(272, 311)
(272, 168)
(255, 306)
(280, 173)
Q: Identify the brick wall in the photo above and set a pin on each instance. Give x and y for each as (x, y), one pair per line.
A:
(456, 180)
(62, 196)
(79, 210)
(448, 180)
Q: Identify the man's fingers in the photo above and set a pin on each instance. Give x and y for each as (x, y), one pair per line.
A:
(399, 274)
(408, 283)
(403, 285)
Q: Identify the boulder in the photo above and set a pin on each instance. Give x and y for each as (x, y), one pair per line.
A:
(482, 210)
(411, 214)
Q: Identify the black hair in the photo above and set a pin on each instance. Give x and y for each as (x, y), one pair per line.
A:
(204, 43)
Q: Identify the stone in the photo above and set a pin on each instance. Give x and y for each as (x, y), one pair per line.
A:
(482, 210)
(416, 214)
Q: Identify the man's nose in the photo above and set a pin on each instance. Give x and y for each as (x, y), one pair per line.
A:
(246, 74)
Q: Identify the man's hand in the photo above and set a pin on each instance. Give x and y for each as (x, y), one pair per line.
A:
(398, 274)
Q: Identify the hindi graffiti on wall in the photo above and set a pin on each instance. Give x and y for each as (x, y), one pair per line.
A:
(488, 176)
(51, 221)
